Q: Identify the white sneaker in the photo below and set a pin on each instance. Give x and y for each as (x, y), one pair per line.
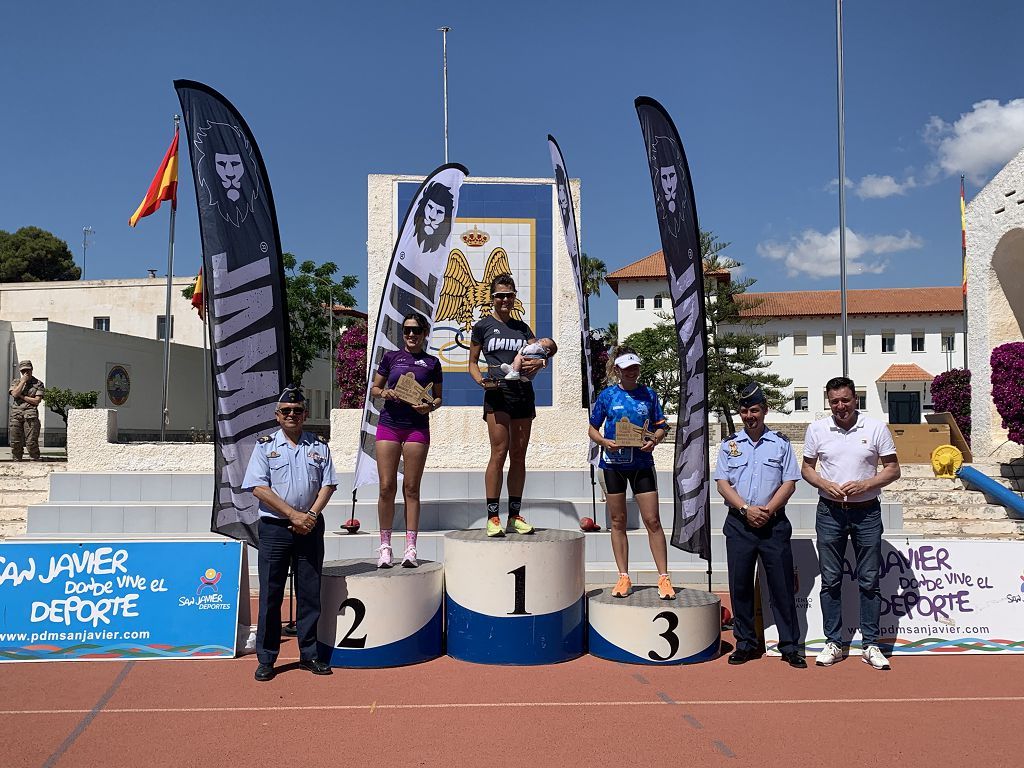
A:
(384, 561)
(409, 558)
(830, 654)
(506, 367)
(873, 655)
(512, 376)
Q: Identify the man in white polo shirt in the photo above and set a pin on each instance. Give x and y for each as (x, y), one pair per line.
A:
(841, 456)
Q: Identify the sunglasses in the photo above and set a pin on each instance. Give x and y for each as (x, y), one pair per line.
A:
(505, 295)
(411, 330)
(291, 411)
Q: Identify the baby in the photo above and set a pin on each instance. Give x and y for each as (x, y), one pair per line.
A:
(539, 349)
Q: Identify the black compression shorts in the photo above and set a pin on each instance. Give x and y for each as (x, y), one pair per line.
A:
(515, 398)
(640, 480)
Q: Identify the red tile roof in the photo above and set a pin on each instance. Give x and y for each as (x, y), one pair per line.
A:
(874, 301)
(905, 372)
(648, 268)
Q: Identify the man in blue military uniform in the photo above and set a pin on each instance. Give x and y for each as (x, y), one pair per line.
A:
(756, 474)
(292, 475)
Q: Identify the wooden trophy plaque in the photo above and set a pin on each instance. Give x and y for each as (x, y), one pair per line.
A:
(410, 392)
(629, 435)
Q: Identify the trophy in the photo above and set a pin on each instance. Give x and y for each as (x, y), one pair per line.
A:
(629, 435)
(410, 392)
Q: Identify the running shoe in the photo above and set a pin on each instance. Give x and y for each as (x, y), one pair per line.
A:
(623, 587)
(384, 561)
(873, 655)
(409, 558)
(665, 590)
(830, 654)
(494, 527)
(518, 524)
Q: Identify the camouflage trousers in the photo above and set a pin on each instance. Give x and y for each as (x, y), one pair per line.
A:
(23, 432)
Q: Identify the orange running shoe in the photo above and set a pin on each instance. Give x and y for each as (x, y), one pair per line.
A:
(623, 587)
(665, 590)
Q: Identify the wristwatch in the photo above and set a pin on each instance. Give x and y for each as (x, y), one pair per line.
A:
(743, 509)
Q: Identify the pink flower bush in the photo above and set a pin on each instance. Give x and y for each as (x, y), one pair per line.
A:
(951, 391)
(1008, 387)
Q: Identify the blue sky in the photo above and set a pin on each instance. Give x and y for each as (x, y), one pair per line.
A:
(335, 91)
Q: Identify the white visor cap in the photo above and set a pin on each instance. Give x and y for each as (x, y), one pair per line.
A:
(625, 361)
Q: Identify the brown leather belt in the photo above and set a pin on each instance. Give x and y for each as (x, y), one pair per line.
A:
(850, 504)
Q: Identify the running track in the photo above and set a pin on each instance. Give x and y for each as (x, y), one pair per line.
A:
(949, 711)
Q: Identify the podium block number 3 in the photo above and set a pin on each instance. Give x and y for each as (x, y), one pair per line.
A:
(359, 613)
(519, 609)
(672, 620)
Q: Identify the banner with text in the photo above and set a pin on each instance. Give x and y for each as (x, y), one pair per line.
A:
(67, 601)
(248, 316)
(938, 597)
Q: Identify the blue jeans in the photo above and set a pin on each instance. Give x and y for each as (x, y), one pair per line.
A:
(863, 526)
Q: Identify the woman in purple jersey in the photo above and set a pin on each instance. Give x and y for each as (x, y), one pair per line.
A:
(403, 432)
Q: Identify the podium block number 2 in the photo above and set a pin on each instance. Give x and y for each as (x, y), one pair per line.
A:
(359, 613)
(519, 609)
(672, 620)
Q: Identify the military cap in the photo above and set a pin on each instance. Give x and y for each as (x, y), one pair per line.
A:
(291, 395)
(752, 394)
(25, 365)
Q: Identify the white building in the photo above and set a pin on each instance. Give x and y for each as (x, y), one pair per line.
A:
(899, 339)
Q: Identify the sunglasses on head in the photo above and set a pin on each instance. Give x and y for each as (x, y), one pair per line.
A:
(291, 411)
(504, 295)
(411, 330)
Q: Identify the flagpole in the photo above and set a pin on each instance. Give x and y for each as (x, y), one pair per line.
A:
(444, 58)
(842, 186)
(206, 362)
(963, 259)
(168, 318)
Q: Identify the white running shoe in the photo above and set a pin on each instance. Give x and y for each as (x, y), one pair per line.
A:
(830, 654)
(409, 558)
(384, 561)
(873, 655)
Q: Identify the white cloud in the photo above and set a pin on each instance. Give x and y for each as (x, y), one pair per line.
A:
(816, 254)
(979, 141)
(872, 186)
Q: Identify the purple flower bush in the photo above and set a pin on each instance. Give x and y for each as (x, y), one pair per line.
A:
(1008, 387)
(351, 366)
(951, 391)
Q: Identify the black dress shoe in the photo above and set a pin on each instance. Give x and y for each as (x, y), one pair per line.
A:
(743, 656)
(795, 660)
(265, 672)
(316, 666)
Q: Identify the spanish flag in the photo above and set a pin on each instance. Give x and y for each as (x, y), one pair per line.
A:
(197, 294)
(963, 232)
(164, 185)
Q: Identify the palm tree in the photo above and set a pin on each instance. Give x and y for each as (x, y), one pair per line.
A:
(592, 273)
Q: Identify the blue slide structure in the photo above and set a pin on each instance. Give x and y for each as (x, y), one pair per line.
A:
(1014, 504)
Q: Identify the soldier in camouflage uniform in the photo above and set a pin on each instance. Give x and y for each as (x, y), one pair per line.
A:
(23, 428)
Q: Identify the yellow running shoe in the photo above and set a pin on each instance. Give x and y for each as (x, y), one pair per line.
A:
(665, 590)
(518, 524)
(494, 527)
(623, 587)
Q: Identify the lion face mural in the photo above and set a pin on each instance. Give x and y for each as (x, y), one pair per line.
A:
(433, 218)
(225, 183)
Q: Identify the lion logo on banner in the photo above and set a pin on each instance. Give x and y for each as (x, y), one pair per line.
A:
(669, 183)
(462, 294)
(433, 218)
(225, 183)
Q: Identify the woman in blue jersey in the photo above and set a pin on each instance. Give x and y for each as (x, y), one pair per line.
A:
(632, 467)
(403, 433)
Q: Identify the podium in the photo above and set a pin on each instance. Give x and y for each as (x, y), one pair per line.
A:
(386, 617)
(643, 629)
(516, 600)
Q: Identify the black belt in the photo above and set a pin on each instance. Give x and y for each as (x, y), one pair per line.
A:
(736, 513)
(283, 521)
(850, 504)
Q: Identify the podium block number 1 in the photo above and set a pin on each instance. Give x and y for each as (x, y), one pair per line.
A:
(519, 574)
(359, 613)
(672, 620)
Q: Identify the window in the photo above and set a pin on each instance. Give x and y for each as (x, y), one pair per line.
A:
(948, 340)
(828, 343)
(917, 341)
(101, 323)
(657, 301)
(857, 343)
(888, 341)
(799, 343)
(800, 400)
(40, 318)
(639, 302)
(862, 399)
(161, 326)
(771, 344)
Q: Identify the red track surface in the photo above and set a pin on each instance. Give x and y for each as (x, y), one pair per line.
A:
(950, 711)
